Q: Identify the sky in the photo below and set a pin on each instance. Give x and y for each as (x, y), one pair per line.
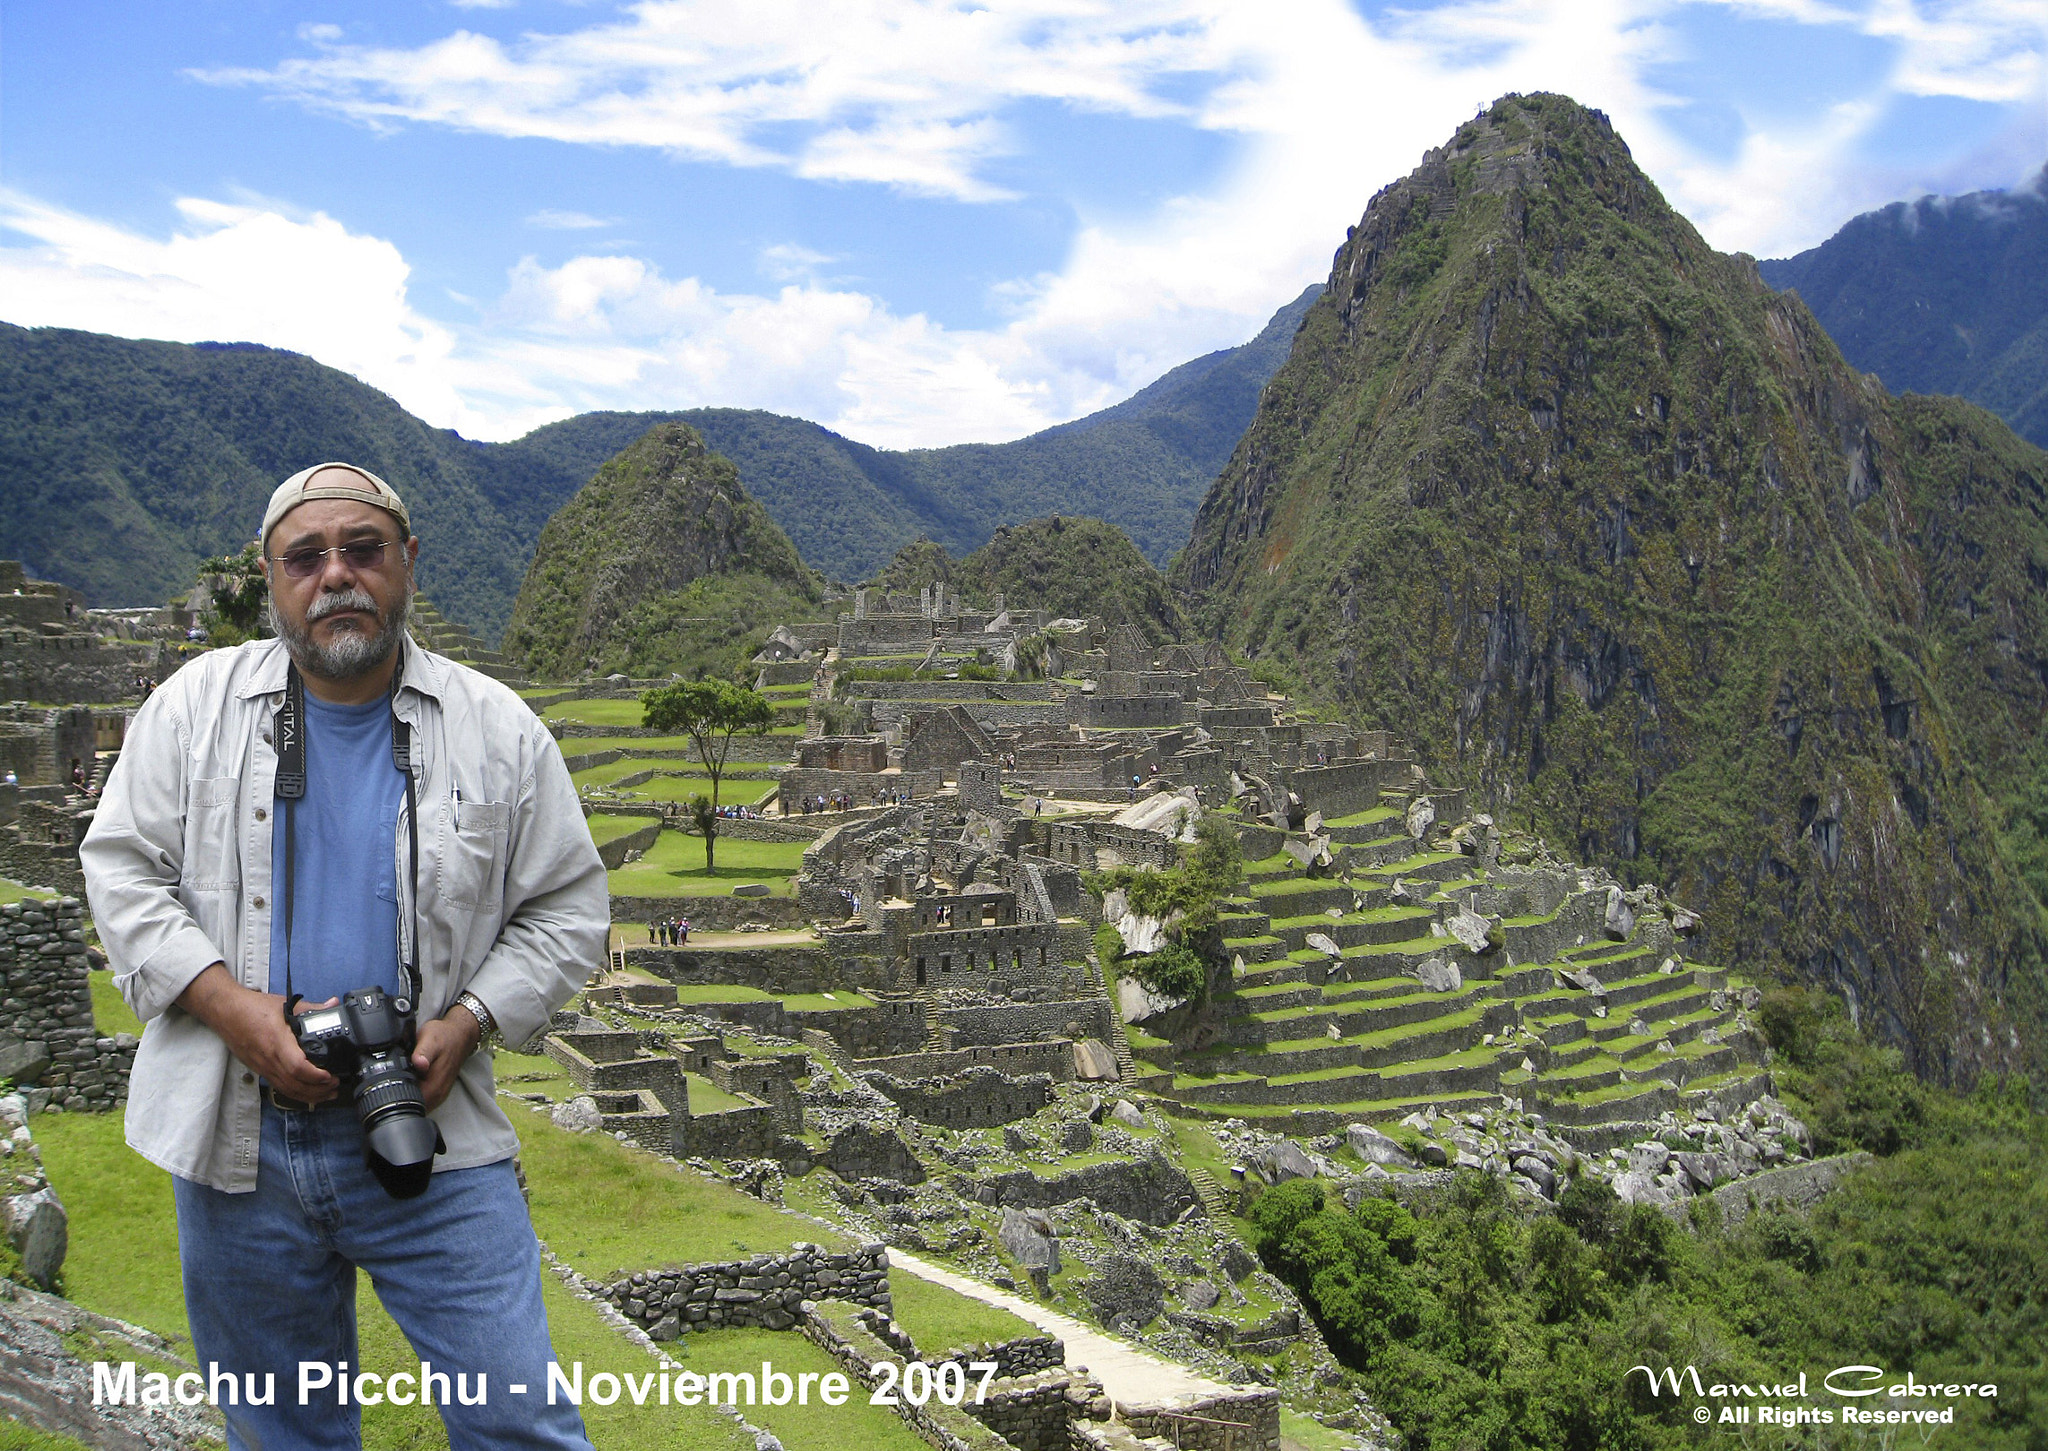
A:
(917, 222)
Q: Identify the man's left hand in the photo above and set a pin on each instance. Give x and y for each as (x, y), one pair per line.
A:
(444, 1045)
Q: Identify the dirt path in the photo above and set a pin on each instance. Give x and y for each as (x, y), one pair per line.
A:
(1130, 1376)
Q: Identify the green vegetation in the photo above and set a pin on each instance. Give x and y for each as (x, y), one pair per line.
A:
(1553, 458)
(606, 827)
(16, 892)
(660, 563)
(1185, 896)
(1481, 1324)
(939, 1319)
(110, 1011)
(675, 867)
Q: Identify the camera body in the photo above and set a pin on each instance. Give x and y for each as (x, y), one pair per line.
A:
(366, 1040)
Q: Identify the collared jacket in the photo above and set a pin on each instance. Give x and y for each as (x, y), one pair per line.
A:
(511, 896)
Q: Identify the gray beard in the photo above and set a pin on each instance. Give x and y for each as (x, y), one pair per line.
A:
(347, 656)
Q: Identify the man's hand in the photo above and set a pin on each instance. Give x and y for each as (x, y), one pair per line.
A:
(444, 1045)
(252, 1025)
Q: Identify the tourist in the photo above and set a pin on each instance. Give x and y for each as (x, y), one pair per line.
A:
(682, 932)
(279, 1202)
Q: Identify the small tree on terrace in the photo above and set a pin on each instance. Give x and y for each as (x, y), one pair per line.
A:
(711, 713)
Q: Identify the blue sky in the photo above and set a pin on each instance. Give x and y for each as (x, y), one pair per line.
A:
(916, 222)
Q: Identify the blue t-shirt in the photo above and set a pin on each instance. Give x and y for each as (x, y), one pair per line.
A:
(345, 919)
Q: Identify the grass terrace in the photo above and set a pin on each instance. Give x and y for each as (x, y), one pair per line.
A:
(605, 826)
(939, 1319)
(674, 867)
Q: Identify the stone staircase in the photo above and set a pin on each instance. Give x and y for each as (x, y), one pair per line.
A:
(1312, 1040)
(1210, 1193)
(444, 637)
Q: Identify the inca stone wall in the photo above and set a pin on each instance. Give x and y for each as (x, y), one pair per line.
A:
(765, 1292)
(48, 1044)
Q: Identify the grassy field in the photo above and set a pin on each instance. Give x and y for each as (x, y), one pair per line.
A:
(627, 712)
(674, 867)
(110, 1011)
(15, 892)
(606, 827)
(797, 1002)
(940, 1319)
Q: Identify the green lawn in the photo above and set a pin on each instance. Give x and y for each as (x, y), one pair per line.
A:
(14, 1436)
(855, 1426)
(110, 1011)
(599, 712)
(15, 892)
(608, 1207)
(798, 1002)
(708, 1097)
(674, 867)
(939, 1319)
(604, 826)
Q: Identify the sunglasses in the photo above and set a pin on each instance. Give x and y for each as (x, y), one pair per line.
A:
(361, 554)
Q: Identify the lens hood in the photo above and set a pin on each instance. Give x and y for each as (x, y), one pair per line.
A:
(400, 1153)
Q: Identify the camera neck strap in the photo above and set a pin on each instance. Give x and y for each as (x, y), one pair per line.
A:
(291, 786)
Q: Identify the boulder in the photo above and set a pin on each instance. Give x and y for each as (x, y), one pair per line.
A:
(579, 1115)
(1469, 929)
(1538, 1173)
(1434, 1155)
(1030, 1239)
(1620, 919)
(1638, 1188)
(1421, 816)
(23, 1060)
(751, 889)
(1684, 923)
(1705, 1170)
(1236, 1261)
(36, 1225)
(1128, 1114)
(1648, 1157)
(1136, 1002)
(1439, 976)
(1093, 1062)
(1376, 1148)
(1580, 978)
(1199, 1295)
(1322, 943)
(1285, 1160)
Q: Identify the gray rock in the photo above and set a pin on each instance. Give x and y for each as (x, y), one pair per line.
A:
(1285, 1160)
(1136, 1002)
(1620, 920)
(36, 1225)
(1324, 944)
(1076, 1136)
(1585, 981)
(1376, 1148)
(579, 1115)
(23, 1060)
(1030, 1239)
(1705, 1170)
(668, 1327)
(1538, 1173)
(1638, 1188)
(1093, 1062)
(1199, 1295)
(1468, 929)
(1236, 1261)
(1434, 1155)
(1421, 817)
(1128, 1114)
(1440, 976)
(1648, 1157)
(751, 889)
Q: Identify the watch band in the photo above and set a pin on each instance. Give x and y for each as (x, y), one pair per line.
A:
(484, 1021)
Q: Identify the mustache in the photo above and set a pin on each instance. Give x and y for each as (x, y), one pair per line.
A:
(349, 599)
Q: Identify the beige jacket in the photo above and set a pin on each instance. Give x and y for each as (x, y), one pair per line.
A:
(512, 897)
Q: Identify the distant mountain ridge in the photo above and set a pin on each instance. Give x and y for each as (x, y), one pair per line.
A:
(123, 463)
(1941, 295)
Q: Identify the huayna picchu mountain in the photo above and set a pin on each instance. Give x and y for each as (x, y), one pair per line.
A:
(1613, 534)
(661, 562)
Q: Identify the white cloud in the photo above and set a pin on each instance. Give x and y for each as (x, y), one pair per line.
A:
(560, 221)
(1323, 108)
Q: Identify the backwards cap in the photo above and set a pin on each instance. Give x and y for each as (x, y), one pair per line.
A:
(332, 481)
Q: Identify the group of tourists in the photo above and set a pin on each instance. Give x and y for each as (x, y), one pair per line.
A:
(669, 932)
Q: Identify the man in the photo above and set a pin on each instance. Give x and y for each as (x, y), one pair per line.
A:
(435, 850)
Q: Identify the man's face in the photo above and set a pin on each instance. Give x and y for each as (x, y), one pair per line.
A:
(341, 621)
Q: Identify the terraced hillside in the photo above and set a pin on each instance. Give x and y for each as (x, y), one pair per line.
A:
(1445, 974)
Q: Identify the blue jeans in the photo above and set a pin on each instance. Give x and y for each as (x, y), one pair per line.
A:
(270, 1282)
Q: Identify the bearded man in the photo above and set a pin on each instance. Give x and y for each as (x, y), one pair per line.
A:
(338, 817)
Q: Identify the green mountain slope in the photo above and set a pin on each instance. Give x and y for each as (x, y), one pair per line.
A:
(1067, 567)
(1610, 531)
(661, 562)
(1942, 295)
(124, 463)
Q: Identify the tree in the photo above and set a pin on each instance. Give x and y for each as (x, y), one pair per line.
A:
(705, 815)
(237, 593)
(710, 713)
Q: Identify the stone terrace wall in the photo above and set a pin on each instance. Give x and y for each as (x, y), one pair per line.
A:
(48, 1044)
(765, 1292)
(1238, 1421)
(1018, 1022)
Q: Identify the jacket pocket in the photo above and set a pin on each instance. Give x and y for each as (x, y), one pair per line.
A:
(213, 858)
(472, 866)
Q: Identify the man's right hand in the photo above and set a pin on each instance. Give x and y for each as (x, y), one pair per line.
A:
(252, 1025)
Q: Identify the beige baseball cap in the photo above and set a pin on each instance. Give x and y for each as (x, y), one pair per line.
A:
(332, 481)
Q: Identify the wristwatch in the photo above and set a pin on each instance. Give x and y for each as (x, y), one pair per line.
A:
(487, 1024)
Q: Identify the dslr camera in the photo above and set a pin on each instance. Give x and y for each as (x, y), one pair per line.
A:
(366, 1040)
